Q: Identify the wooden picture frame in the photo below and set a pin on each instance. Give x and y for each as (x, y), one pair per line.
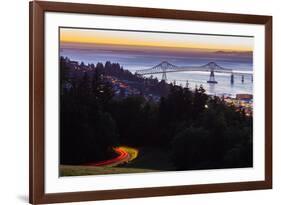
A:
(37, 194)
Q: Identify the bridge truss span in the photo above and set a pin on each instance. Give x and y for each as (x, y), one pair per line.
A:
(165, 67)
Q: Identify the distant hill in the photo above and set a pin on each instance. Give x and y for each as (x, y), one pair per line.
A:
(238, 53)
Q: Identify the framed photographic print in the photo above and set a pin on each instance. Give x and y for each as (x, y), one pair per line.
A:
(139, 102)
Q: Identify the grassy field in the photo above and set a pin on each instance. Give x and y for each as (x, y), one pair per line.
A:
(146, 160)
(68, 170)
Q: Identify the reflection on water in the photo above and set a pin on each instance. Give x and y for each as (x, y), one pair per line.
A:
(211, 88)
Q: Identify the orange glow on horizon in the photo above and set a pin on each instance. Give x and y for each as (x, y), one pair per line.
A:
(119, 38)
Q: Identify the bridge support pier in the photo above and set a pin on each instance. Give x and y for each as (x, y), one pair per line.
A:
(164, 76)
(187, 84)
(232, 78)
(212, 78)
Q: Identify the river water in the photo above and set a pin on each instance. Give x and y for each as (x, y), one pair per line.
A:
(223, 87)
(134, 61)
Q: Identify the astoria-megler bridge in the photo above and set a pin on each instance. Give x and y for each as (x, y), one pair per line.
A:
(166, 67)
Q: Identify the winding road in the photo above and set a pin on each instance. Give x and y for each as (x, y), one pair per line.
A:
(125, 155)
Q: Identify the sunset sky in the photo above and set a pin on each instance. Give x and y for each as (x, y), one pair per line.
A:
(153, 40)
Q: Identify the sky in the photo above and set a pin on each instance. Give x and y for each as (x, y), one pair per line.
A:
(154, 41)
(137, 49)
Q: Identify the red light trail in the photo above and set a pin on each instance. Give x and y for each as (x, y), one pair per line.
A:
(122, 157)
